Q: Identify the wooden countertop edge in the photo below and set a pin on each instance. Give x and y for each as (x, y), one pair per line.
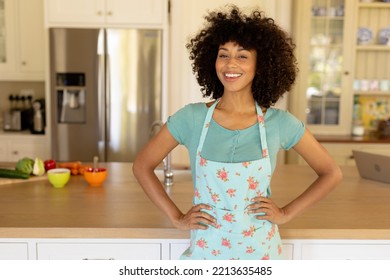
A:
(171, 233)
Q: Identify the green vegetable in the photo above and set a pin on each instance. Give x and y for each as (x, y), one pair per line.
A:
(25, 165)
(9, 173)
(39, 167)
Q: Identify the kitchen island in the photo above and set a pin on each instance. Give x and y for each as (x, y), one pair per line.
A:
(356, 211)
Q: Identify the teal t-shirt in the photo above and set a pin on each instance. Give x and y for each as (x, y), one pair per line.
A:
(224, 145)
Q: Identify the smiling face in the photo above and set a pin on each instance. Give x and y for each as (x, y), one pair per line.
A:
(236, 67)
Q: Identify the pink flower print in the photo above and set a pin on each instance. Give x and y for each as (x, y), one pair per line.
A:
(216, 252)
(217, 226)
(229, 217)
(203, 162)
(238, 174)
(265, 153)
(259, 193)
(231, 192)
(215, 197)
(226, 243)
(246, 164)
(196, 193)
(202, 243)
(260, 118)
(280, 250)
(265, 257)
(249, 232)
(252, 183)
(271, 233)
(222, 174)
(249, 250)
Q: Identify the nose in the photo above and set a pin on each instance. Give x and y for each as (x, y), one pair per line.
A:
(231, 62)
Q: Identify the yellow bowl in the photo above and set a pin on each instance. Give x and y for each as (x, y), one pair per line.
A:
(95, 176)
(58, 177)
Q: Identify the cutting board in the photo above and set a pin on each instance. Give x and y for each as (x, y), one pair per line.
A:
(4, 181)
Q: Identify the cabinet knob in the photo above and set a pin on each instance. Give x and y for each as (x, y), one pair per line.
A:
(15, 153)
(346, 73)
(24, 63)
(109, 13)
(99, 13)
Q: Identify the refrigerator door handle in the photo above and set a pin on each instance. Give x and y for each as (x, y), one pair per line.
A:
(101, 86)
(108, 98)
(101, 98)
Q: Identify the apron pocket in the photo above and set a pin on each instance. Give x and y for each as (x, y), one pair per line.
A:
(237, 222)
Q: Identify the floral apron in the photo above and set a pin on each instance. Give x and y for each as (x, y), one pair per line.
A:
(229, 188)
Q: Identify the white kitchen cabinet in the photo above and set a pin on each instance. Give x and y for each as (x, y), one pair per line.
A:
(345, 251)
(13, 148)
(99, 251)
(14, 251)
(177, 248)
(93, 13)
(22, 38)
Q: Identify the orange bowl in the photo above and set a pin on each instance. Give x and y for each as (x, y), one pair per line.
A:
(95, 176)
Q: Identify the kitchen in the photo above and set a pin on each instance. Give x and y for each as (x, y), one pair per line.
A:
(336, 136)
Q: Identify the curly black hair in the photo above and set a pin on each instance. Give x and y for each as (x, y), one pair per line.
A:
(276, 66)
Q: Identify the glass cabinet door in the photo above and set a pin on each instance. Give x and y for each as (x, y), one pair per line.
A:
(325, 75)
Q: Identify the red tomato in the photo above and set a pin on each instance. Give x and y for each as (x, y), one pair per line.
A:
(50, 164)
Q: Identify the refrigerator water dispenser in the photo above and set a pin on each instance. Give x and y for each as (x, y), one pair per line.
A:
(71, 98)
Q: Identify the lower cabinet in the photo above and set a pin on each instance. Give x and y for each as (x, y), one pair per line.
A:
(13, 251)
(345, 251)
(99, 251)
(171, 249)
(12, 148)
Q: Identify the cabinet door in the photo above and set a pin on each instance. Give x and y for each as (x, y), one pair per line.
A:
(345, 251)
(13, 251)
(20, 149)
(3, 151)
(7, 36)
(63, 12)
(322, 35)
(31, 31)
(136, 12)
(97, 251)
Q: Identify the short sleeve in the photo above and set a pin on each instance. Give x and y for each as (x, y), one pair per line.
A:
(180, 124)
(291, 130)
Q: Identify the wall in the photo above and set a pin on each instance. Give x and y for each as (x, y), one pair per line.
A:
(186, 20)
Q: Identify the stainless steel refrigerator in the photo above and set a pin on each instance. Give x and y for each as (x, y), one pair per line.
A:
(106, 87)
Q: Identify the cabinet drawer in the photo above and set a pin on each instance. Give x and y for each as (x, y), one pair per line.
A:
(346, 251)
(99, 251)
(13, 251)
(176, 249)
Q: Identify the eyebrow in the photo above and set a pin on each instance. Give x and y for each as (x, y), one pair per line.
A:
(239, 49)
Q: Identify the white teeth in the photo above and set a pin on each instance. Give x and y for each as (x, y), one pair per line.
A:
(229, 75)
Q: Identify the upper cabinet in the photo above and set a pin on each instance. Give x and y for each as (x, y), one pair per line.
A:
(371, 85)
(344, 59)
(322, 32)
(21, 40)
(106, 13)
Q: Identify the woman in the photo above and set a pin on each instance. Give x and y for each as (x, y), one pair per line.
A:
(245, 63)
